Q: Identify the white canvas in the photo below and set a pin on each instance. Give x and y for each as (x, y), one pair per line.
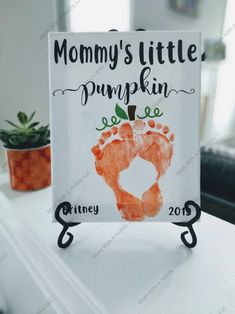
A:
(125, 156)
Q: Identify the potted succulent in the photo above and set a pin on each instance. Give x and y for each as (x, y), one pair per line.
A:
(28, 153)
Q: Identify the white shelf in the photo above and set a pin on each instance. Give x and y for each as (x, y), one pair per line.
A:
(126, 268)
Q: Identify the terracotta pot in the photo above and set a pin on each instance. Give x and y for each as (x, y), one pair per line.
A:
(30, 169)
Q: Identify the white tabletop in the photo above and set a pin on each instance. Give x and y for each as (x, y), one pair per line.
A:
(134, 268)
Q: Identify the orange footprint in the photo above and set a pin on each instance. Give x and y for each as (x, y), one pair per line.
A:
(115, 155)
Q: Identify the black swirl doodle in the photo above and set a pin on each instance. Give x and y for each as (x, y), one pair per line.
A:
(192, 91)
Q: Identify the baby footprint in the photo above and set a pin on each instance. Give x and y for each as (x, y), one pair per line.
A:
(114, 153)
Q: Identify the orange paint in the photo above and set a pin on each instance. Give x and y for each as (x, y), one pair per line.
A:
(97, 152)
(126, 131)
(150, 132)
(151, 123)
(114, 130)
(139, 125)
(106, 135)
(165, 129)
(117, 156)
(155, 148)
(172, 137)
(152, 200)
(95, 149)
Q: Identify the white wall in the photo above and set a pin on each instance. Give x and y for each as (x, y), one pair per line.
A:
(100, 15)
(157, 15)
(23, 61)
(224, 113)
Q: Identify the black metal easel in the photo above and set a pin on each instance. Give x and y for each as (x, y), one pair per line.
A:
(66, 206)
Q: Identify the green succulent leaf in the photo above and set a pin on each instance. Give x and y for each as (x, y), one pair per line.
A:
(23, 139)
(32, 125)
(12, 124)
(36, 138)
(14, 140)
(31, 117)
(20, 117)
(24, 117)
(121, 113)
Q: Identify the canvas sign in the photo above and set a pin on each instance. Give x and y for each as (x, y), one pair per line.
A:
(125, 125)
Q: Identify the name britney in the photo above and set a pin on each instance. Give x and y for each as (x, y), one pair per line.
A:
(79, 209)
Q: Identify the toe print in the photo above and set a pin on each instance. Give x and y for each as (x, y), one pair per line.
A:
(116, 150)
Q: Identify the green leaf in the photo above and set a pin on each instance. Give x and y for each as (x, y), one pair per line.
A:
(20, 117)
(32, 125)
(24, 117)
(22, 139)
(31, 117)
(121, 113)
(12, 124)
(14, 140)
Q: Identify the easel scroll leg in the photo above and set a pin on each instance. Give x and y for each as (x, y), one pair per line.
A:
(189, 224)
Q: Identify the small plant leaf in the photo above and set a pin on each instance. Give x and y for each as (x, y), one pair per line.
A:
(12, 124)
(121, 113)
(32, 125)
(23, 139)
(20, 117)
(31, 117)
(24, 117)
(35, 138)
(14, 140)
